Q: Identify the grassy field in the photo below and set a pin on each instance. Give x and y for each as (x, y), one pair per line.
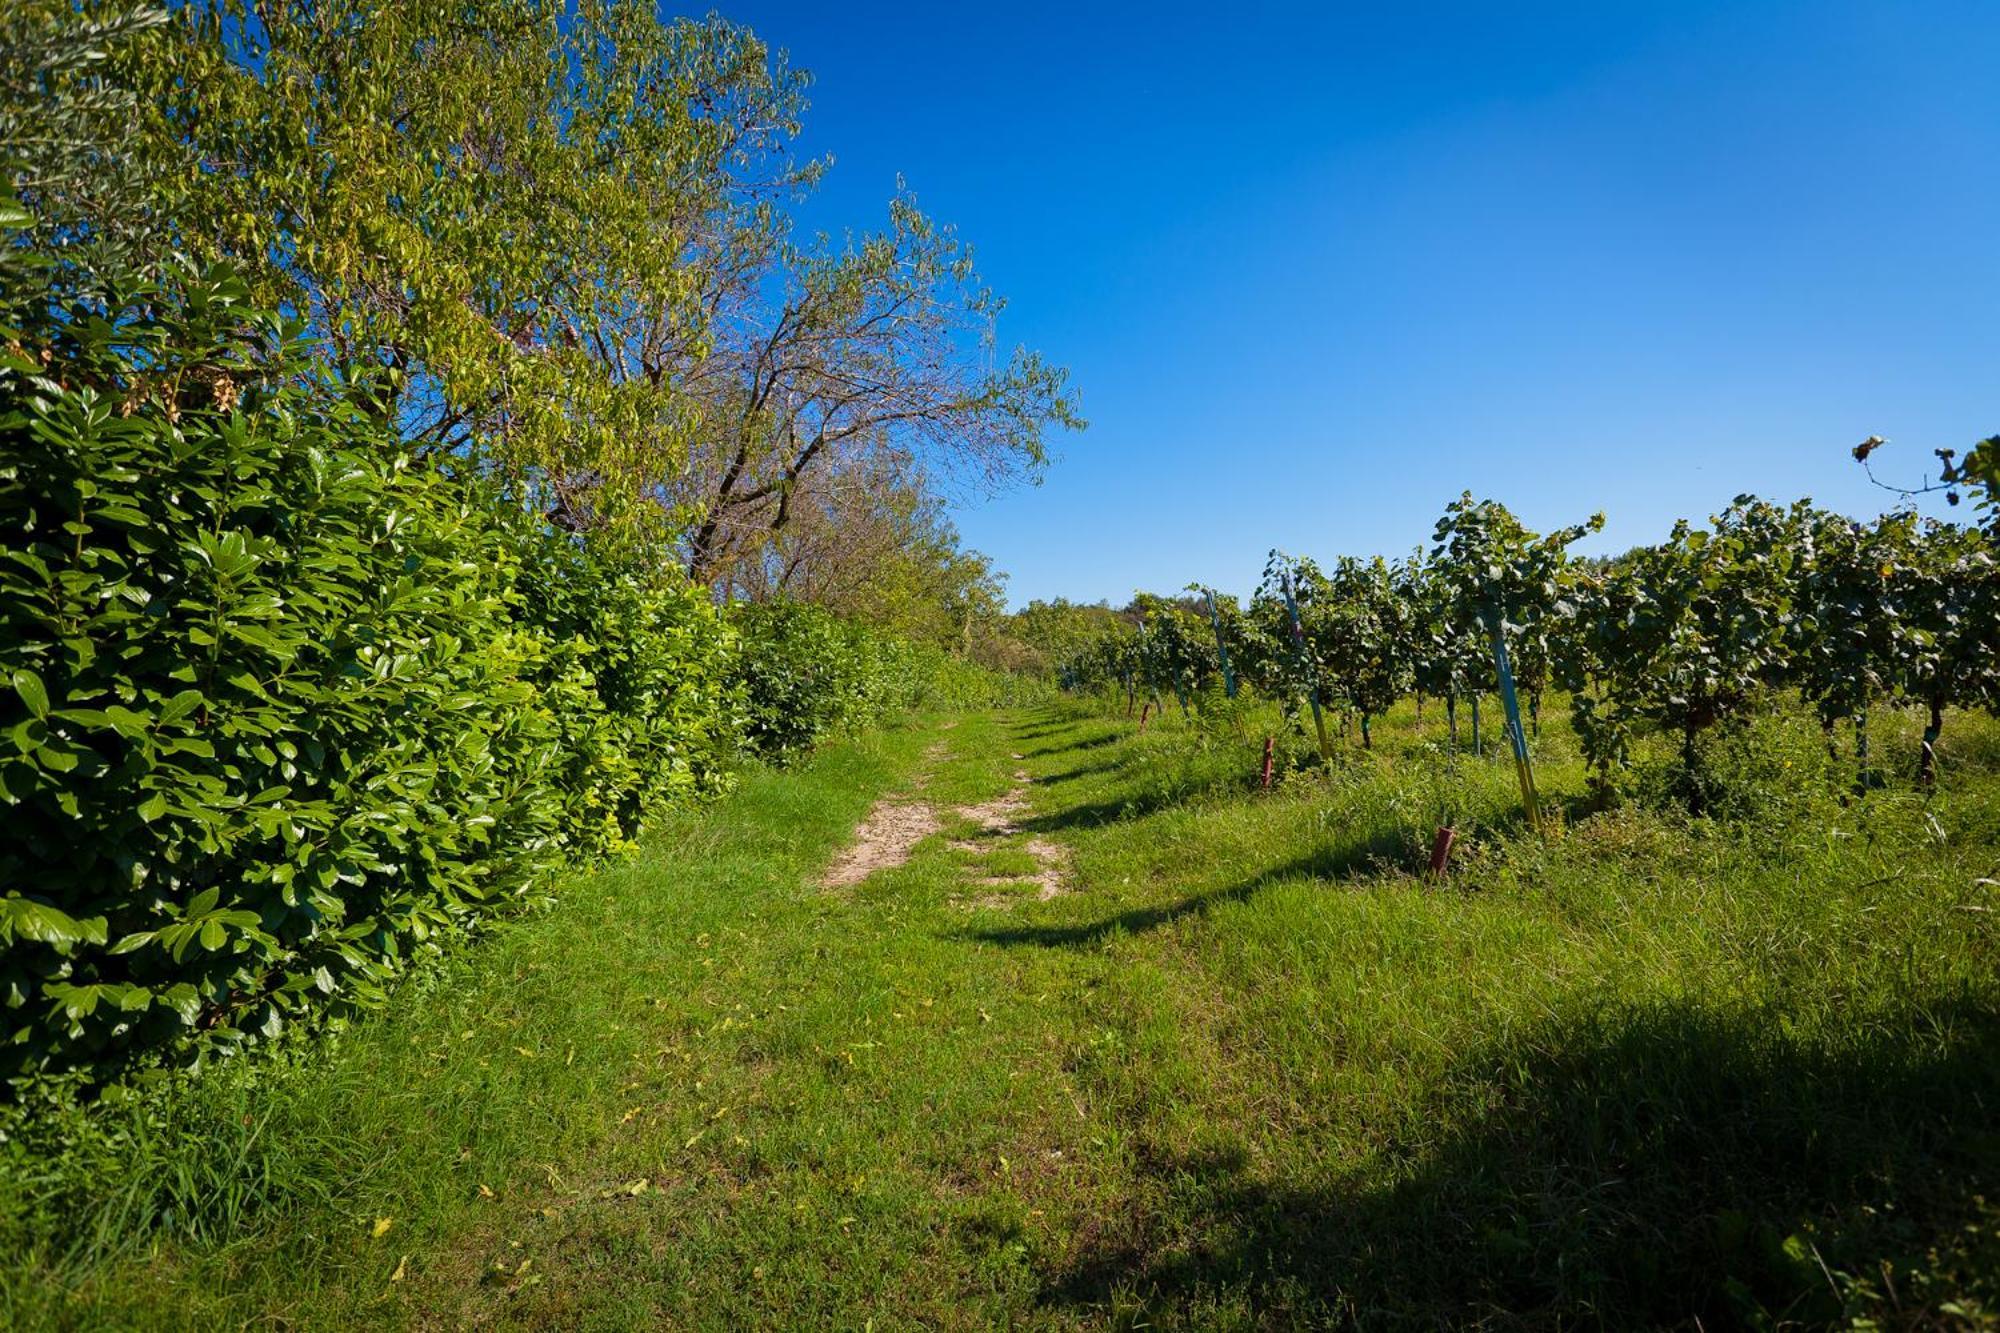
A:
(1128, 1043)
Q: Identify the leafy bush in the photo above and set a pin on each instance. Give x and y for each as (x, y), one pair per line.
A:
(638, 672)
(267, 712)
(285, 707)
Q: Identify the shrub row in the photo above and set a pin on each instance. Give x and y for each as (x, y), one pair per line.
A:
(286, 705)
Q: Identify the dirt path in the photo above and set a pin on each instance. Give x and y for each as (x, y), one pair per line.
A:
(883, 841)
(998, 819)
(893, 828)
(895, 825)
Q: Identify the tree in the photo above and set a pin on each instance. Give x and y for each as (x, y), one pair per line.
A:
(490, 214)
(822, 355)
(875, 545)
(1057, 633)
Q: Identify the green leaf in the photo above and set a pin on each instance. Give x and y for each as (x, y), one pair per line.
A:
(29, 919)
(178, 707)
(29, 686)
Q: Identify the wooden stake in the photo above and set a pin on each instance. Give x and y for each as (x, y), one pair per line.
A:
(1441, 850)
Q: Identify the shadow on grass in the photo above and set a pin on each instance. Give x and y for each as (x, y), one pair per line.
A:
(1071, 775)
(1331, 865)
(1666, 1166)
(1095, 742)
(1093, 814)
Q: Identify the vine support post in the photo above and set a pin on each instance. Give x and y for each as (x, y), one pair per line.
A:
(1927, 760)
(1221, 648)
(1524, 768)
(1312, 684)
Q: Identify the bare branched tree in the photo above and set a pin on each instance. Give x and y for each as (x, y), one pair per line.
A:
(821, 356)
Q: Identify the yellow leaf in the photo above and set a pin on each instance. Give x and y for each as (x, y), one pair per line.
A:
(402, 1267)
(637, 1187)
(381, 1228)
(485, 1191)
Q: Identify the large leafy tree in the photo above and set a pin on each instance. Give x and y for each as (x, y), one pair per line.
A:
(494, 215)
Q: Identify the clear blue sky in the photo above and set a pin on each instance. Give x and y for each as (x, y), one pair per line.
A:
(1319, 267)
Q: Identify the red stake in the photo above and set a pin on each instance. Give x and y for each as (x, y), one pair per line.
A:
(1441, 850)
(1267, 763)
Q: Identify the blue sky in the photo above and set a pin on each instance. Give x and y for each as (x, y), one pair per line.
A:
(1318, 268)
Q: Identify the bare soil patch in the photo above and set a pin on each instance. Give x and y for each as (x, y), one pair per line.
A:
(999, 818)
(882, 842)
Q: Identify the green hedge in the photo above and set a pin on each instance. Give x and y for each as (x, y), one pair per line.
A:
(285, 707)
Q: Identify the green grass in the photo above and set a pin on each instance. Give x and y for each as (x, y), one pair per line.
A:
(1249, 1069)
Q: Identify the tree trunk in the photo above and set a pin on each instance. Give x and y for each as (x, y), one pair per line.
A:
(1477, 751)
(1927, 762)
(1451, 721)
(1367, 741)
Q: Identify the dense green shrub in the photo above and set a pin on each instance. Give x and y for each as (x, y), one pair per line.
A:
(805, 674)
(637, 670)
(283, 706)
(268, 714)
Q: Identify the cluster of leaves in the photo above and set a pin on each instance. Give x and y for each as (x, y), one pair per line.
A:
(1696, 632)
(804, 673)
(1176, 649)
(1357, 635)
(1686, 634)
